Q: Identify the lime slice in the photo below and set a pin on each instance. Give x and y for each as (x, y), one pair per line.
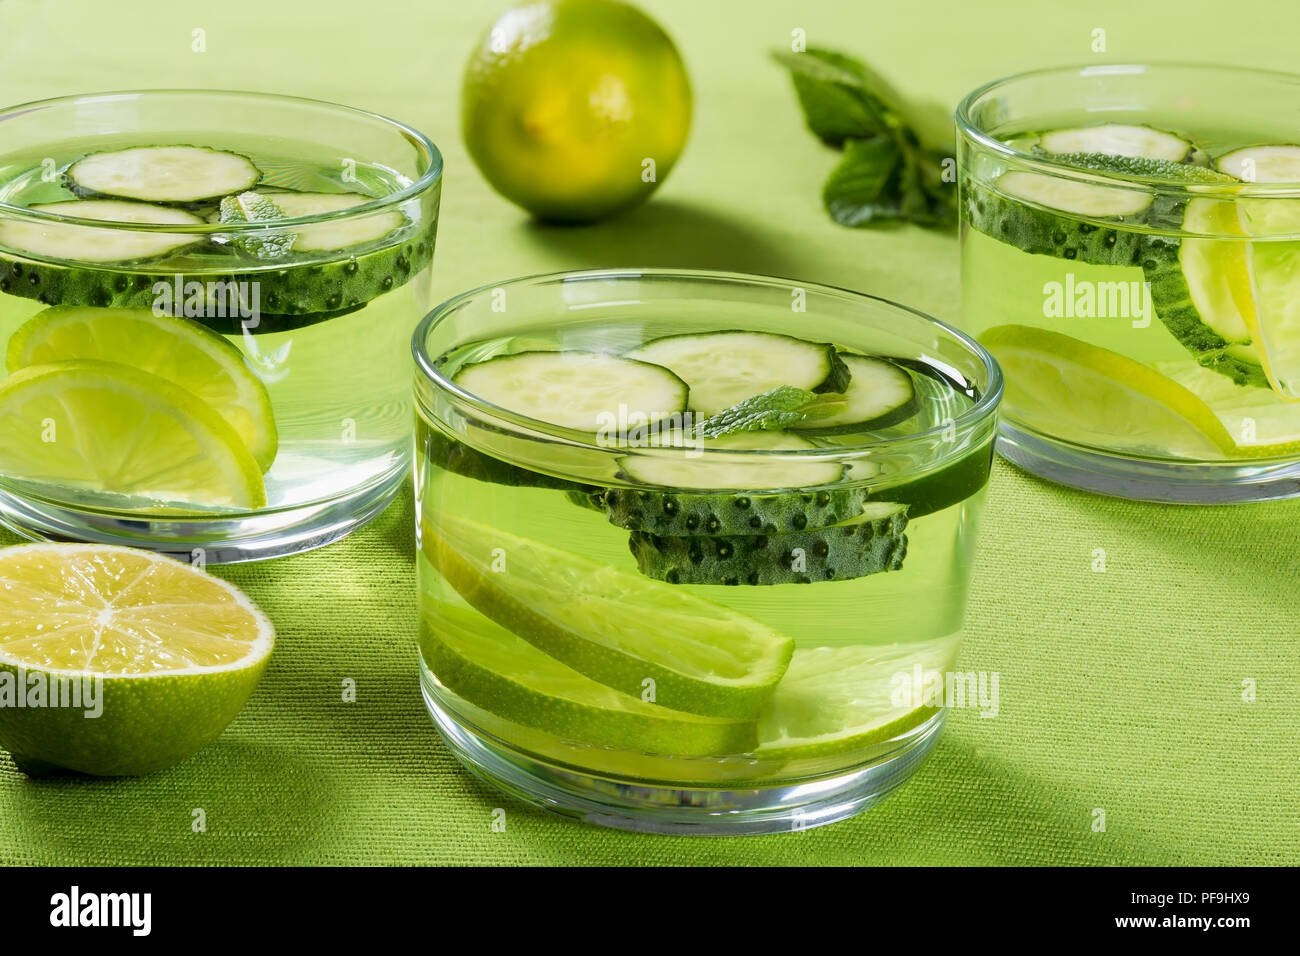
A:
(505, 675)
(615, 627)
(1262, 423)
(179, 652)
(1080, 393)
(1275, 282)
(838, 699)
(183, 352)
(101, 428)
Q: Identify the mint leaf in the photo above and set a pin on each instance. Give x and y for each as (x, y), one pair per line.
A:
(893, 148)
(836, 105)
(926, 199)
(251, 207)
(864, 186)
(774, 410)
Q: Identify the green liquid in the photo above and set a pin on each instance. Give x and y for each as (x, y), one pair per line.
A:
(920, 605)
(338, 383)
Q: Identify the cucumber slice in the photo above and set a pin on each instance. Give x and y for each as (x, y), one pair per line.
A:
(686, 514)
(340, 234)
(613, 626)
(1262, 164)
(59, 240)
(761, 474)
(1022, 208)
(166, 174)
(1043, 232)
(292, 295)
(1118, 139)
(1199, 288)
(506, 676)
(576, 389)
(1067, 195)
(879, 394)
(682, 513)
(724, 368)
(870, 543)
(697, 505)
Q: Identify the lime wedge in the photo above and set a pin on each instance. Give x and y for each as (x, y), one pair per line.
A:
(183, 352)
(1080, 393)
(839, 699)
(105, 428)
(1275, 281)
(1262, 423)
(493, 669)
(179, 652)
(616, 627)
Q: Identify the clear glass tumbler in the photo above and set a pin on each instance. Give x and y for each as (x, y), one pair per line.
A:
(657, 631)
(1130, 249)
(204, 304)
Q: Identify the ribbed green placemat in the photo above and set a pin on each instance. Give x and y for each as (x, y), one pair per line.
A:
(1119, 690)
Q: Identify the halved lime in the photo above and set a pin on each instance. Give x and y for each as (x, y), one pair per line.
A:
(105, 428)
(178, 651)
(183, 352)
(1080, 393)
(838, 699)
(1262, 423)
(614, 626)
(505, 675)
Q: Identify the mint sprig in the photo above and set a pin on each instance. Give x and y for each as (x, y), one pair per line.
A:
(774, 410)
(251, 207)
(894, 151)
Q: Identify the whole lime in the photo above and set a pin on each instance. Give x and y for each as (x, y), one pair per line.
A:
(575, 109)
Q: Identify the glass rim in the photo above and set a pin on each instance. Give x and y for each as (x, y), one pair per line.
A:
(1044, 163)
(429, 178)
(983, 409)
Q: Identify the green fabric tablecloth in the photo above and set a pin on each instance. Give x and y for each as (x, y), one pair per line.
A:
(1120, 690)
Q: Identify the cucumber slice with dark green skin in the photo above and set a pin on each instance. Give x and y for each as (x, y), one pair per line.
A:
(64, 240)
(868, 544)
(693, 469)
(1022, 207)
(725, 368)
(1190, 297)
(879, 394)
(576, 389)
(1045, 233)
(162, 174)
(704, 495)
(1118, 139)
(682, 514)
(943, 488)
(1195, 300)
(290, 295)
(337, 234)
(1262, 164)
